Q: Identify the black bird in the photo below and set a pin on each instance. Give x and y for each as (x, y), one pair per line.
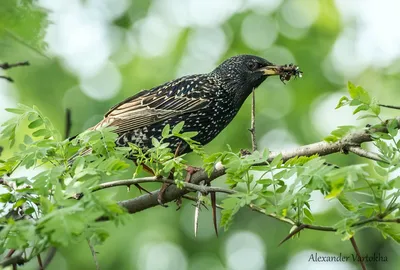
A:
(206, 103)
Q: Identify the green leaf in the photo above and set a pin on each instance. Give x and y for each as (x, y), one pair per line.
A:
(265, 182)
(28, 139)
(37, 123)
(342, 102)
(375, 108)
(15, 110)
(41, 132)
(308, 214)
(364, 116)
(165, 131)
(358, 93)
(346, 202)
(362, 107)
(392, 230)
(276, 161)
(231, 206)
(177, 129)
(189, 134)
(155, 142)
(392, 127)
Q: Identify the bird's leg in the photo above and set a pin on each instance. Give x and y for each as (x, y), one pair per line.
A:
(190, 170)
(170, 176)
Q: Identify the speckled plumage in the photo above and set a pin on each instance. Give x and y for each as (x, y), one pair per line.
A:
(207, 103)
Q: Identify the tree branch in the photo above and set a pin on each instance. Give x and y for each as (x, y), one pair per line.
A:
(353, 139)
(16, 259)
(364, 153)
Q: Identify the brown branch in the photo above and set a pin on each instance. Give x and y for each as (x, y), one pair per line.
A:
(354, 244)
(40, 262)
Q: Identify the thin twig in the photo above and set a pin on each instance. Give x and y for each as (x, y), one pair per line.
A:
(203, 189)
(253, 121)
(94, 255)
(40, 262)
(8, 66)
(390, 106)
(293, 233)
(366, 154)
(7, 78)
(354, 244)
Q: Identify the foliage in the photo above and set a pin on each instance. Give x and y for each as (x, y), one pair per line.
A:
(56, 206)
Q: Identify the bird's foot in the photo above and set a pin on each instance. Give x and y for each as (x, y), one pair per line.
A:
(190, 170)
(161, 193)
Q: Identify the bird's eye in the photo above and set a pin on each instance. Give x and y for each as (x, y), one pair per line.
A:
(254, 65)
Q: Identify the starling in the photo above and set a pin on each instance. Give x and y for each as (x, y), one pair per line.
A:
(206, 103)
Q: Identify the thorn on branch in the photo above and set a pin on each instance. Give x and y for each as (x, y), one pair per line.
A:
(294, 232)
(214, 211)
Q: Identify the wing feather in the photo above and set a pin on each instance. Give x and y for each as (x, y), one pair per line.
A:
(151, 106)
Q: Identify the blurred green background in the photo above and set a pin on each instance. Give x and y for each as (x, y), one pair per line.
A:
(87, 55)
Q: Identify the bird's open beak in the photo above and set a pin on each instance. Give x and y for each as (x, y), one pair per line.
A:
(271, 70)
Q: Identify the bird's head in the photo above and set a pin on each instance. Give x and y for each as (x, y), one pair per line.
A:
(242, 73)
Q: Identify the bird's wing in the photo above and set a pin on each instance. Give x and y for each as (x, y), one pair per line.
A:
(152, 106)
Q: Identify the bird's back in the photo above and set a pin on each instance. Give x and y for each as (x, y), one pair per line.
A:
(198, 100)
